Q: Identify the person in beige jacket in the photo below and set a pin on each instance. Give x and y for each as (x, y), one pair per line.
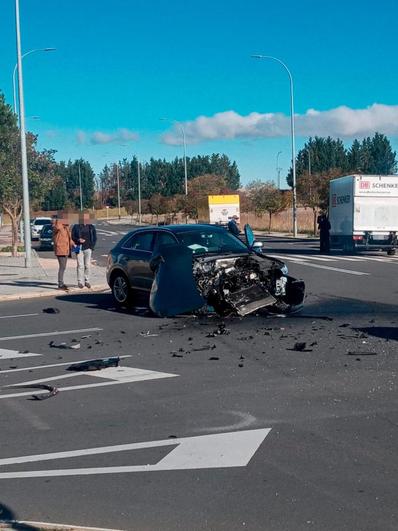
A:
(62, 247)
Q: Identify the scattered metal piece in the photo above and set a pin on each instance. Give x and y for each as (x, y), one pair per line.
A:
(52, 391)
(148, 334)
(359, 353)
(75, 346)
(51, 310)
(206, 347)
(300, 346)
(95, 365)
(221, 330)
(344, 325)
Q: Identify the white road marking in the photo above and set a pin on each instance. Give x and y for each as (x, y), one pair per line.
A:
(305, 262)
(221, 450)
(118, 375)
(107, 232)
(51, 525)
(52, 365)
(21, 315)
(45, 334)
(6, 354)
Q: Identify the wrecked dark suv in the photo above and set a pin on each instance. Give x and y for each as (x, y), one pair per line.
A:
(183, 268)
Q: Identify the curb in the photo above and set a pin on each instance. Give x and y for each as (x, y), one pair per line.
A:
(9, 525)
(52, 293)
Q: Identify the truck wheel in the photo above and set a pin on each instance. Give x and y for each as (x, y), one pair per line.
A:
(391, 252)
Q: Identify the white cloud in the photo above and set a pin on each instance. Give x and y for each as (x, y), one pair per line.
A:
(100, 137)
(341, 121)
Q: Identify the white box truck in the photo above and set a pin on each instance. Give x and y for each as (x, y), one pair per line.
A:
(363, 212)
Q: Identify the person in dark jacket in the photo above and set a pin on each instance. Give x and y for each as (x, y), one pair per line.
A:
(324, 233)
(233, 226)
(84, 237)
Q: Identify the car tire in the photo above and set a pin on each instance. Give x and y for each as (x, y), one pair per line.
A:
(121, 290)
(391, 252)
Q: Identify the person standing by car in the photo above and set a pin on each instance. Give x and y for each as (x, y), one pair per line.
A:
(324, 233)
(233, 226)
(84, 236)
(62, 247)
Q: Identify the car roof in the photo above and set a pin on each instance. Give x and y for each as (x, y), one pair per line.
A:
(180, 228)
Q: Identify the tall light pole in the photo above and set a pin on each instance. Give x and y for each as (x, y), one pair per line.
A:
(118, 189)
(179, 124)
(139, 191)
(292, 128)
(80, 188)
(278, 169)
(24, 159)
(14, 84)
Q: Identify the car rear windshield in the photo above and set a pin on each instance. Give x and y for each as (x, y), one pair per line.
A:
(208, 240)
(41, 221)
(47, 231)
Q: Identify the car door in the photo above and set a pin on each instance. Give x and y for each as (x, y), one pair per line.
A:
(137, 254)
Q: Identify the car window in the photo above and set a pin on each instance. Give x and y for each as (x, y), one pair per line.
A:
(47, 231)
(209, 240)
(41, 221)
(164, 238)
(140, 242)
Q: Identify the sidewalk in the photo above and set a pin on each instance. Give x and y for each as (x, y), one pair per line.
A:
(17, 282)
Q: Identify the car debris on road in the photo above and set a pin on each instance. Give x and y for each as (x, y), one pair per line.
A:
(95, 364)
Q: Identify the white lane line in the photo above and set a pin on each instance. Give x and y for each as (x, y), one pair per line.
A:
(317, 266)
(44, 380)
(46, 334)
(53, 365)
(6, 354)
(119, 375)
(337, 269)
(21, 315)
(222, 450)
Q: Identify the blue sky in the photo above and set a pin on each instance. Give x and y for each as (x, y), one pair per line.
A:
(120, 66)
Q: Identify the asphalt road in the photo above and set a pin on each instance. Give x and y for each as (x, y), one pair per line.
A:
(329, 461)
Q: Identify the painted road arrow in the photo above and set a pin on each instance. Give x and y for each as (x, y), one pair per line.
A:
(222, 450)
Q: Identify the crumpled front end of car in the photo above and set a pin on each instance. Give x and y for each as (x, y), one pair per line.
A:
(245, 284)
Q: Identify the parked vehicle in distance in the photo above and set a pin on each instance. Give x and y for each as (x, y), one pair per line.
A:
(36, 226)
(363, 213)
(46, 238)
(182, 268)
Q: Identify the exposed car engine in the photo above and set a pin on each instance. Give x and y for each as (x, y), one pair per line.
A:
(239, 284)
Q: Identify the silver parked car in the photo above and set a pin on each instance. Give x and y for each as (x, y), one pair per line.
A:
(36, 226)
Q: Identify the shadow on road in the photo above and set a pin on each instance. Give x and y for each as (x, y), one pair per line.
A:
(384, 332)
(341, 306)
(104, 301)
(8, 517)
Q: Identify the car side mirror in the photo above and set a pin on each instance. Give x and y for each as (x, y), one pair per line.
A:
(257, 246)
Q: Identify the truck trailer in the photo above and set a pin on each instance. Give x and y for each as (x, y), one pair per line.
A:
(363, 213)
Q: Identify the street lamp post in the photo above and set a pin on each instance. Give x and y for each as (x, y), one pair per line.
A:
(80, 188)
(292, 130)
(118, 189)
(139, 191)
(14, 84)
(179, 124)
(24, 160)
(278, 169)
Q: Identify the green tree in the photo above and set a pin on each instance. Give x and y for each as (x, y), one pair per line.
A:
(266, 197)
(40, 170)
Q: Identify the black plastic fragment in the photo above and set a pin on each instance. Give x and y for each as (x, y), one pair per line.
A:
(95, 365)
(51, 310)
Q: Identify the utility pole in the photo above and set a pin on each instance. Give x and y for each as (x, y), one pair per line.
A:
(278, 169)
(80, 188)
(24, 158)
(118, 189)
(139, 192)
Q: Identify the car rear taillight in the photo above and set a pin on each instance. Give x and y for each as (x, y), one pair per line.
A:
(357, 238)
